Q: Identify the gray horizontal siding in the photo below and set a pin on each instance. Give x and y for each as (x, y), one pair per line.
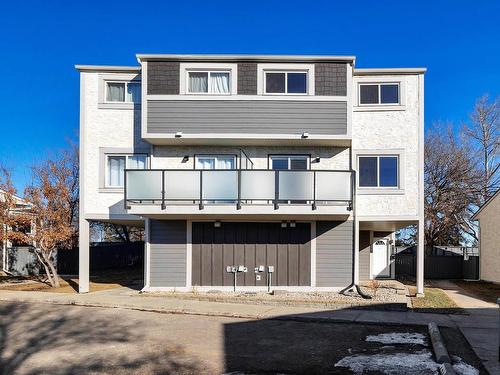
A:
(168, 253)
(247, 116)
(334, 245)
(364, 255)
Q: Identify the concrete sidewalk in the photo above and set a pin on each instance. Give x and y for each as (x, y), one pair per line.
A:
(479, 326)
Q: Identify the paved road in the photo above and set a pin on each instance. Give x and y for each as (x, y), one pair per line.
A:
(41, 338)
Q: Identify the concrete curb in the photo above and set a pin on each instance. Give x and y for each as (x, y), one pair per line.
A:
(440, 352)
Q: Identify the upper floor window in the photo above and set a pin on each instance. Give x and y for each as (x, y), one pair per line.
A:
(116, 165)
(378, 171)
(209, 82)
(286, 82)
(123, 92)
(379, 93)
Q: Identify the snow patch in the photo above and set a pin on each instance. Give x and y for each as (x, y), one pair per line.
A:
(463, 368)
(391, 364)
(398, 338)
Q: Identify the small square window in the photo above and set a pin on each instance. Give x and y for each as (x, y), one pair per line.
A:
(115, 92)
(389, 94)
(297, 83)
(198, 82)
(368, 94)
(275, 83)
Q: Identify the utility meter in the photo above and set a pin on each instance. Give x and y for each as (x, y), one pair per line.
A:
(229, 269)
(241, 268)
(270, 269)
(261, 268)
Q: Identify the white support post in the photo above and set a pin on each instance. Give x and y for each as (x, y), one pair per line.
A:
(356, 251)
(420, 259)
(84, 257)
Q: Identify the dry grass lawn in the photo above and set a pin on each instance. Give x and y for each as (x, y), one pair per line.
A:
(102, 281)
(483, 290)
(435, 300)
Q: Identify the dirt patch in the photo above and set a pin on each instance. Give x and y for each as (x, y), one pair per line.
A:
(101, 281)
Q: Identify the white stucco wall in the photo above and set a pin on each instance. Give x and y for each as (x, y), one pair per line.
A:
(395, 129)
(171, 157)
(489, 241)
(103, 127)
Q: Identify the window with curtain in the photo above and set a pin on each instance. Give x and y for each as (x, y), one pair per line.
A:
(216, 162)
(116, 165)
(123, 92)
(378, 171)
(211, 82)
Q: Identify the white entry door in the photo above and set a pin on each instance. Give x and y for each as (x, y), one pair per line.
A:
(380, 259)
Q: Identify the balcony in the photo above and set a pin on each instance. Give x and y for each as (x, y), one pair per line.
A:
(248, 191)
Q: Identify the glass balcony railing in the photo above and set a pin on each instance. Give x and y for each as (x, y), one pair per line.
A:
(238, 187)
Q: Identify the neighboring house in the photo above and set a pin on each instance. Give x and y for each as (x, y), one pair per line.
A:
(488, 216)
(10, 258)
(295, 168)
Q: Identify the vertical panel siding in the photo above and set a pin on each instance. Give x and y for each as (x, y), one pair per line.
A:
(334, 246)
(168, 253)
(251, 245)
(364, 255)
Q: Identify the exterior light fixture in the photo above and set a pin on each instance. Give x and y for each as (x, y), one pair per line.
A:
(305, 135)
(178, 134)
(283, 224)
(317, 159)
(292, 224)
(217, 224)
(185, 159)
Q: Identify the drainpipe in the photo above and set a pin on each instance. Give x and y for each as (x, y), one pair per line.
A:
(354, 282)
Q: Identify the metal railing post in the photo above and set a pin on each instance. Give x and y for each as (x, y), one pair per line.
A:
(276, 189)
(125, 190)
(314, 191)
(201, 190)
(238, 204)
(163, 190)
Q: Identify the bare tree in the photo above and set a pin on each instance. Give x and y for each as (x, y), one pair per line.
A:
(110, 232)
(483, 133)
(450, 186)
(53, 196)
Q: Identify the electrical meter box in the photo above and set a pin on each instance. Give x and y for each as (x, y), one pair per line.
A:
(261, 268)
(270, 269)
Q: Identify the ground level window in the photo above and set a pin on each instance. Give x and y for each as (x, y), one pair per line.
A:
(116, 165)
(378, 171)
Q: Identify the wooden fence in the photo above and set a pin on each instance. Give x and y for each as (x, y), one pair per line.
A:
(438, 266)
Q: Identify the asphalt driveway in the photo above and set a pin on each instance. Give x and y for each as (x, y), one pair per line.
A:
(39, 338)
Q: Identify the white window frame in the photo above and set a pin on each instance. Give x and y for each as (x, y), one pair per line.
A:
(378, 187)
(186, 68)
(126, 83)
(379, 84)
(290, 157)
(286, 72)
(262, 69)
(126, 155)
(216, 157)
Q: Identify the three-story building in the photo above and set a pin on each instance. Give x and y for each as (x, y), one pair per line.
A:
(282, 172)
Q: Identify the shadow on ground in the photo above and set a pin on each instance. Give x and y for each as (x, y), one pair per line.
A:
(31, 338)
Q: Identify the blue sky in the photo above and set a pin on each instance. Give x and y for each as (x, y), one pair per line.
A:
(41, 41)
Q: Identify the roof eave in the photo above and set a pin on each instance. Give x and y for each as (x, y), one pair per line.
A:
(379, 71)
(107, 68)
(242, 57)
